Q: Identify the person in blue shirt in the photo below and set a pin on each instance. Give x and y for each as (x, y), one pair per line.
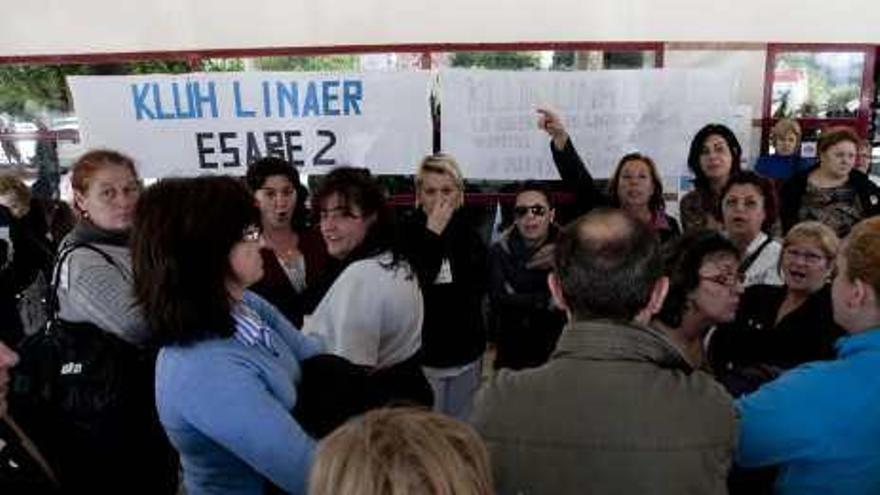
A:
(818, 422)
(786, 161)
(227, 375)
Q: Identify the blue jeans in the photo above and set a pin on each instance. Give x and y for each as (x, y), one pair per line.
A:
(454, 388)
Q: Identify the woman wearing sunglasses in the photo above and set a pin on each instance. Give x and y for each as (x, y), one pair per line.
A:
(704, 290)
(635, 186)
(783, 326)
(524, 322)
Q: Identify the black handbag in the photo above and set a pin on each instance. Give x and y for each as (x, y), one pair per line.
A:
(84, 394)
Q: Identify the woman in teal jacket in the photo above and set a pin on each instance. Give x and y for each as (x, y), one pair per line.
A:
(818, 422)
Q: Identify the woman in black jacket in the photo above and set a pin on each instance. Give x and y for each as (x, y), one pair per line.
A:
(780, 327)
(450, 260)
(525, 322)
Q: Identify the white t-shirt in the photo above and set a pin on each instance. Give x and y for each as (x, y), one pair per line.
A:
(765, 268)
(372, 315)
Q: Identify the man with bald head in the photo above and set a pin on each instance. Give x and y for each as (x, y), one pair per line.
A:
(617, 409)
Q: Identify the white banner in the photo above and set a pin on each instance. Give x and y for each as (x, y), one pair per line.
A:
(191, 124)
(489, 118)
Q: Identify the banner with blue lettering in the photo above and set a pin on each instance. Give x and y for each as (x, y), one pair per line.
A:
(190, 124)
(489, 118)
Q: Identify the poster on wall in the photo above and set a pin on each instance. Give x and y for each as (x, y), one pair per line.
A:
(197, 123)
(489, 118)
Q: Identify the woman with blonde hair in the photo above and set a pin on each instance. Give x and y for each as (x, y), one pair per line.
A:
(451, 261)
(786, 159)
(816, 422)
(784, 326)
(402, 451)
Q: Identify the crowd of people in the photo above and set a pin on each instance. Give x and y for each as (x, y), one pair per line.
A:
(281, 339)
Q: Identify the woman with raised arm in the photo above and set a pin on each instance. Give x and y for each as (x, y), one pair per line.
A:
(635, 186)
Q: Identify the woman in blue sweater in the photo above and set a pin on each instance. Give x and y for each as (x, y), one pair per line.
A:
(226, 377)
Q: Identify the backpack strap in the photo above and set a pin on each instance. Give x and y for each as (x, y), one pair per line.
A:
(63, 254)
(750, 259)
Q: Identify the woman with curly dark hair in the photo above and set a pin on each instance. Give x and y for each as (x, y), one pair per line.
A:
(293, 255)
(372, 313)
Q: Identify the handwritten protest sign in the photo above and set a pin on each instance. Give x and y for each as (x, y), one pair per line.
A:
(191, 124)
(489, 121)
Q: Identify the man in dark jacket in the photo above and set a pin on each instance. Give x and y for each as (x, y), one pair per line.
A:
(617, 409)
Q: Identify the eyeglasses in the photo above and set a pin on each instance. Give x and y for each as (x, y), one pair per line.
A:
(807, 257)
(536, 210)
(726, 279)
(252, 234)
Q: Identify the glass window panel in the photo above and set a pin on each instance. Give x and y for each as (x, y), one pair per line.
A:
(817, 84)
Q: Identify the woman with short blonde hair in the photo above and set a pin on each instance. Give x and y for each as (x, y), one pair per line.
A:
(779, 327)
(784, 128)
(786, 159)
(450, 259)
(402, 451)
(440, 163)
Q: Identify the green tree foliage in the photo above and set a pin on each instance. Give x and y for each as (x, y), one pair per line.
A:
(563, 60)
(828, 89)
(496, 60)
(223, 65)
(41, 84)
(317, 63)
(27, 89)
(156, 67)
